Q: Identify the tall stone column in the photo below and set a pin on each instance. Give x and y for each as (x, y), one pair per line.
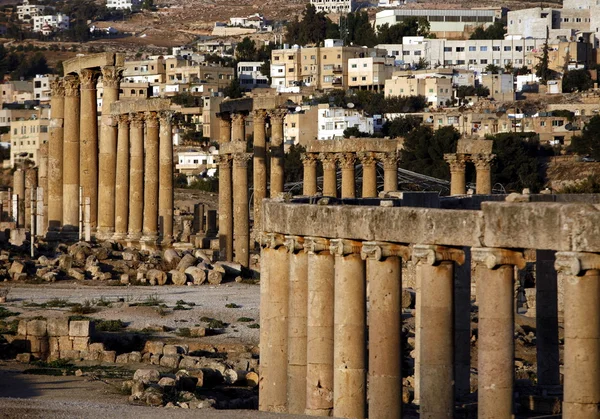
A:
(107, 157)
(483, 164)
(580, 274)
(55, 156)
(136, 177)
(457, 164)
(319, 328)
(19, 190)
(390, 171)
(369, 180)
(384, 276)
(274, 305)
(309, 184)
(225, 208)
(30, 185)
(43, 183)
(151, 169)
(435, 335)
(277, 154)
(494, 274)
(347, 161)
(297, 315)
(260, 165)
(224, 128)
(241, 209)
(88, 168)
(238, 127)
(70, 163)
(329, 174)
(165, 179)
(121, 198)
(349, 343)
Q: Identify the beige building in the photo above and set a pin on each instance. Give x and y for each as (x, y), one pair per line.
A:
(501, 86)
(146, 71)
(299, 127)
(437, 90)
(369, 73)
(27, 134)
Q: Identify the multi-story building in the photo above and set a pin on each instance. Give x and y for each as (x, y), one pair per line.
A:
(210, 121)
(26, 11)
(195, 162)
(16, 91)
(299, 126)
(123, 4)
(41, 86)
(146, 71)
(250, 76)
(332, 121)
(501, 86)
(27, 134)
(437, 90)
(369, 73)
(333, 6)
(58, 22)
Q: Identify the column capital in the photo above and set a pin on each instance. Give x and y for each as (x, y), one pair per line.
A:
(111, 76)
(166, 117)
(277, 115)
(367, 158)
(344, 247)
(294, 243)
(224, 117)
(457, 162)
(136, 119)
(483, 161)
(346, 160)
(259, 115)
(71, 84)
(308, 159)
(328, 160)
(434, 255)
(272, 240)
(495, 257)
(57, 87)
(576, 263)
(88, 79)
(381, 250)
(241, 159)
(151, 119)
(315, 245)
(238, 118)
(389, 160)
(224, 160)
(123, 120)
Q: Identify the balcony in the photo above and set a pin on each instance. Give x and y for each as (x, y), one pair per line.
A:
(336, 81)
(338, 69)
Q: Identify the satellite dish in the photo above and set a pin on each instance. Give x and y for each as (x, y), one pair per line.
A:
(212, 149)
(350, 105)
(298, 108)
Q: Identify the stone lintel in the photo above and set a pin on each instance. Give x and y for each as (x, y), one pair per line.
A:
(352, 145)
(236, 105)
(75, 65)
(232, 147)
(140, 105)
(468, 146)
(434, 255)
(576, 263)
(381, 250)
(494, 257)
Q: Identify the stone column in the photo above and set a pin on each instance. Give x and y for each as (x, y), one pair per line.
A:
(136, 177)
(165, 179)
(19, 190)
(494, 274)
(241, 209)
(435, 335)
(457, 173)
(70, 162)
(274, 302)
(30, 185)
(347, 161)
(369, 180)
(329, 174)
(151, 169)
(224, 128)
(277, 154)
(88, 167)
(225, 208)
(580, 274)
(55, 156)
(121, 198)
(43, 183)
(390, 171)
(349, 343)
(107, 157)
(238, 127)
(319, 328)
(309, 185)
(483, 164)
(297, 315)
(384, 276)
(260, 166)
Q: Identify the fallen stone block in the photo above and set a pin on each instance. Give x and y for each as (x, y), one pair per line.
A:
(189, 363)
(146, 375)
(135, 357)
(185, 262)
(197, 332)
(196, 275)
(16, 268)
(23, 358)
(122, 359)
(155, 359)
(96, 347)
(70, 354)
(177, 277)
(108, 356)
(76, 274)
(170, 361)
(215, 277)
(154, 347)
(167, 382)
(156, 277)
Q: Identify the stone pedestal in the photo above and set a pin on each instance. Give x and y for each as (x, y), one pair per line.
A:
(457, 173)
(348, 177)
(165, 192)
(329, 174)
(309, 161)
(151, 169)
(369, 180)
(136, 177)
(390, 171)
(88, 167)
(55, 156)
(277, 154)
(225, 208)
(260, 166)
(241, 208)
(122, 180)
(70, 163)
(483, 173)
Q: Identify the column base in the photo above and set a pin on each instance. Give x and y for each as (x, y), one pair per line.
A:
(69, 234)
(167, 241)
(105, 233)
(149, 242)
(119, 236)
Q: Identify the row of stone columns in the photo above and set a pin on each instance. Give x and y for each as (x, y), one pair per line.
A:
(317, 315)
(234, 209)
(457, 163)
(347, 162)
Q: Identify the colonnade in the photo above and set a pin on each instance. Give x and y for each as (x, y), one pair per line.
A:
(458, 162)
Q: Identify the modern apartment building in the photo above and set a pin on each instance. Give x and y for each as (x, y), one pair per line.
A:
(437, 90)
(369, 73)
(332, 121)
(26, 12)
(333, 6)
(250, 76)
(27, 134)
(58, 22)
(123, 4)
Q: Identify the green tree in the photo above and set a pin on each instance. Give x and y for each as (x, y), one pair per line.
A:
(516, 165)
(410, 26)
(294, 169)
(355, 132)
(577, 80)
(494, 31)
(186, 99)
(588, 143)
(401, 126)
(542, 68)
(246, 50)
(493, 68)
(148, 4)
(312, 29)
(234, 90)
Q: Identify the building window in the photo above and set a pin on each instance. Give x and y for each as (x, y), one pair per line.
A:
(460, 49)
(472, 48)
(507, 48)
(519, 48)
(496, 48)
(353, 78)
(417, 52)
(542, 123)
(353, 66)
(447, 49)
(483, 49)
(483, 61)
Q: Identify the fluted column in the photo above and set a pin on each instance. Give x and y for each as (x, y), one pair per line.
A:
(107, 157)
(309, 185)
(580, 273)
(43, 183)
(136, 176)
(70, 161)
(457, 164)
(384, 276)
(55, 156)
(483, 163)
(30, 185)
(329, 174)
(225, 208)
(241, 209)
(347, 161)
(151, 169)
(88, 168)
(297, 315)
(121, 198)
(390, 171)
(319, 329)
(238, 127)
(224, 128)
(494, 274)
(369, 180)
(19, 190)
(277, 153)
(260, 166)
(165, 192)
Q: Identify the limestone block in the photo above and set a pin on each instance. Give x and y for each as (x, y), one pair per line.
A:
(23, 358)
(196, 275)
(81, 328)
(53, 344)
(167, 382)
(146, 375)
(16, 268)
(154, 347)
(197, 332)
(171, 350)
(65, 343)
(96, 347)
(76, 274)
(124, 278)
(37, 328)
(53, 356)
(146, 357)
(122, 359)
(215, 277)
(177, 277)
(170, 361)
(108, 356)
(81, 343)
(155, 359)
(187, 261)
(58, 326)
(171, 257)
(70, 354)
(19, 277)
(156, 277)
(91, 355)
(189, 363)
(65, 262)
(22, 328)
(135, 357)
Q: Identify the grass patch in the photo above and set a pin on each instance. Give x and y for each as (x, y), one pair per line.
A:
(4, 313)
(9, 328)
(184, 303)
(103, 303)
(79, 317)
(63, 367)
(232, 305)
(54, 303)
(85, 308)
(151, 301)
(245, 319)
(109, 325)
(254, 326)
(180, 307)
(214, 323)
(184, 332)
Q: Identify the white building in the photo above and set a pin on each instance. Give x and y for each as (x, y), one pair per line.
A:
(41, 86)
(26, 11)
(256, 21)
(250, 76)
(333, 6)
(122, 4)
(197, 162)
(332, 122)
(58, 22)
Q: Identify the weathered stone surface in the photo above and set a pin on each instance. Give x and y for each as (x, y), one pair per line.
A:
(81, 343)
(58, 326)
(197, 332)
(65, 343)
(189, 363)
(81, 328)
(137, 388)
(156, 277)
(65, 262)
(108, 356)
(177, 277)
(167, 382)
(37, 328)
(185, 262)
(24, 358)
(170, 361)
(215, 277)
(196, 275)
(70, 354)
(155, 359)
(171, 258)
(135, 357)
(76, 274)
(173, 350)
(408, 298)
(122, 359)
(22, 328)
(39, 344)
(96, 347)
(154, 347)
(16, 268)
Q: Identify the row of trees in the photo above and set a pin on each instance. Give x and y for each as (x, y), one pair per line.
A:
(19, 65)
(374, 103)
